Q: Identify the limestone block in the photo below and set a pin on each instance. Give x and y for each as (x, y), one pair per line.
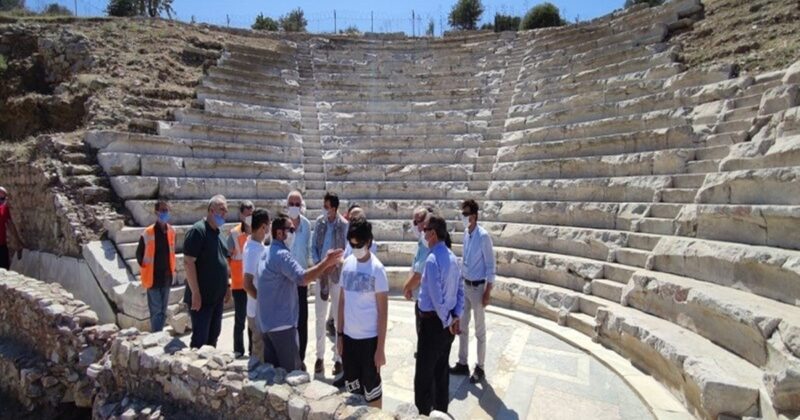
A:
(119, 163)
(757, 225)
(779, 98)
(133, 187)
(767, 272)
(700, 76)
(160, 165)
(760, 186)
(792, 75)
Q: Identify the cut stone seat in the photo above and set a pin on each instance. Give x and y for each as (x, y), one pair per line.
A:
(421, 93)
(285, 89)
(189, 211)
(269, 59)
(597, 36)
(462, 67)
(237, 135)
(601, 127)
(453, 155)
(143, 144)
(329, 83)
(639, 64)
(602, 56)
(275, 69)
(636, 141)
(276, 47)
(768, 225)
(343, 127)
(452, 172)
(220, 120)
(285, 79)
(247, 97)
(256, 112)
(773, 273)
(423, 117)
(755, 186)
(707, 378)
(663, 162)
(141, 187)
(158, 165)
(386, 144)
(407, 106)
(635, 84)
(607, 189)
(404, 189)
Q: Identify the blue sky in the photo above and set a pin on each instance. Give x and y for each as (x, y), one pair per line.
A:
(388, 16)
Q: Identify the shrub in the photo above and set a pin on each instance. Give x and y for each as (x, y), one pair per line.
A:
(542, 16)
(265, 23)
(295, 21)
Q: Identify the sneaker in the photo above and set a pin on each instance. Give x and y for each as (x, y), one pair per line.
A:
(339, 383)
(459, 369)
(337, 368)
(318, 366)
(330, 328)
(477, 375)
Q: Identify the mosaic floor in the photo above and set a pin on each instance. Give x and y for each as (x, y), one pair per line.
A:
(530, 374)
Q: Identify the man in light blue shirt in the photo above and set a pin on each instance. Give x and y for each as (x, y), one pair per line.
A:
(478, 273)
(278, 276)
(300, 247)
(420, 219)
(439, 306)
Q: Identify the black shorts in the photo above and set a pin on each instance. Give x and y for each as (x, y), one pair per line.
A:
(360, 374)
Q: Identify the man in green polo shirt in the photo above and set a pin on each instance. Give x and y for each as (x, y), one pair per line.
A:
(205, 257)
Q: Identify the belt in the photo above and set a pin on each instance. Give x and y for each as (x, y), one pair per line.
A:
(474, 283)
(424, 314)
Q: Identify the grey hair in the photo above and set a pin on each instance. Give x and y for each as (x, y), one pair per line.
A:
(217, 199)
(302, 200)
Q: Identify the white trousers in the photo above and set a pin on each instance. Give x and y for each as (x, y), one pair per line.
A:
(473, 302)
(321, 308)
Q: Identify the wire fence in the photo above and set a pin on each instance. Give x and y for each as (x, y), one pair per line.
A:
(413, 22)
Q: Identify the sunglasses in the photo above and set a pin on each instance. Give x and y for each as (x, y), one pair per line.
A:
(357, 245)
(295, 205)
(466, 214)
(290, 229)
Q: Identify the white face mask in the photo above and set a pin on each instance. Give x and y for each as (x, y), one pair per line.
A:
(360, 253)
(293, 212)
(248, 220)
(465, 221)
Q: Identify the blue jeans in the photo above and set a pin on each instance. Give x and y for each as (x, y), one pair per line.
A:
(157, 302)
(207, 323)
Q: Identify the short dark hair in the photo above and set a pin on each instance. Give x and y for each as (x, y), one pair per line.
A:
(439, 226)
(280, 222)
(159, 202)
(471, 205)
(244, 205)
(353, 206)
(360, 230)
(331, 198)
(260, 217)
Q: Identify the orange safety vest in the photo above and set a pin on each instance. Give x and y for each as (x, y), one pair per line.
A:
(236, 261)
(149, 236)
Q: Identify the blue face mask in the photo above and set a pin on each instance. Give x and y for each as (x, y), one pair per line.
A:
(219, 220)
(163, 216)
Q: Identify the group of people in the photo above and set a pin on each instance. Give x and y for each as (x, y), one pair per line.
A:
(265, 264)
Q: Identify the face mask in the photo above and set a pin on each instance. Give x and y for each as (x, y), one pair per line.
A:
(219, 220)
(163, 216)
(465, 221)
(248, 220)
(360, 253)
(293, 212)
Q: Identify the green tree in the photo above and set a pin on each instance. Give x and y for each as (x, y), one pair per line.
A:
(265, 23)
(56, 9)
(350, 30)
(542, 16)
(295, 21)
(430, 30)
(651, 3)
(465, 14)
(506, 22)
(6, 5)
(152, 8)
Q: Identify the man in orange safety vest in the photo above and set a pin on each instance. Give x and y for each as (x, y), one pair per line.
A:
(156, 257)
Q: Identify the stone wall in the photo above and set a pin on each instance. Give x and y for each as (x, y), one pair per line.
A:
(47, 340)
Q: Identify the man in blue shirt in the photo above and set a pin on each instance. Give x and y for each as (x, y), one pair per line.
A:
(278, 276)
(420, 219)
(300, 247)
(478, 273)
(439, 307)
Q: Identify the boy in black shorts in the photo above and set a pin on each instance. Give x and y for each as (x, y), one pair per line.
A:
(363, 313)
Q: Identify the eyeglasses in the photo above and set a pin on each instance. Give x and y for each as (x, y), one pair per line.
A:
(294, 205)
(357, 245)
(466, 214)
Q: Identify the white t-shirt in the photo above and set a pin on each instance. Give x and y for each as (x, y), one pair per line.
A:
(253, 251)
(360, 283)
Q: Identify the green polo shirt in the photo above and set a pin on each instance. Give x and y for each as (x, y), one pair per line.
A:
(207, 246)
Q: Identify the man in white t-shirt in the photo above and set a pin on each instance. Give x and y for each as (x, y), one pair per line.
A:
(363, 314)
(253, 252)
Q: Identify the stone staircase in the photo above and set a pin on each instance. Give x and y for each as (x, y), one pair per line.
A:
(650, 206)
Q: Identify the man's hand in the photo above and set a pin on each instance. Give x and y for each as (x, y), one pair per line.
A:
(380, 359)
(455, 327)
(333, 257)
(196, 301)
(340, 344)
(487, 296)
(408, 293)
(228, 295)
